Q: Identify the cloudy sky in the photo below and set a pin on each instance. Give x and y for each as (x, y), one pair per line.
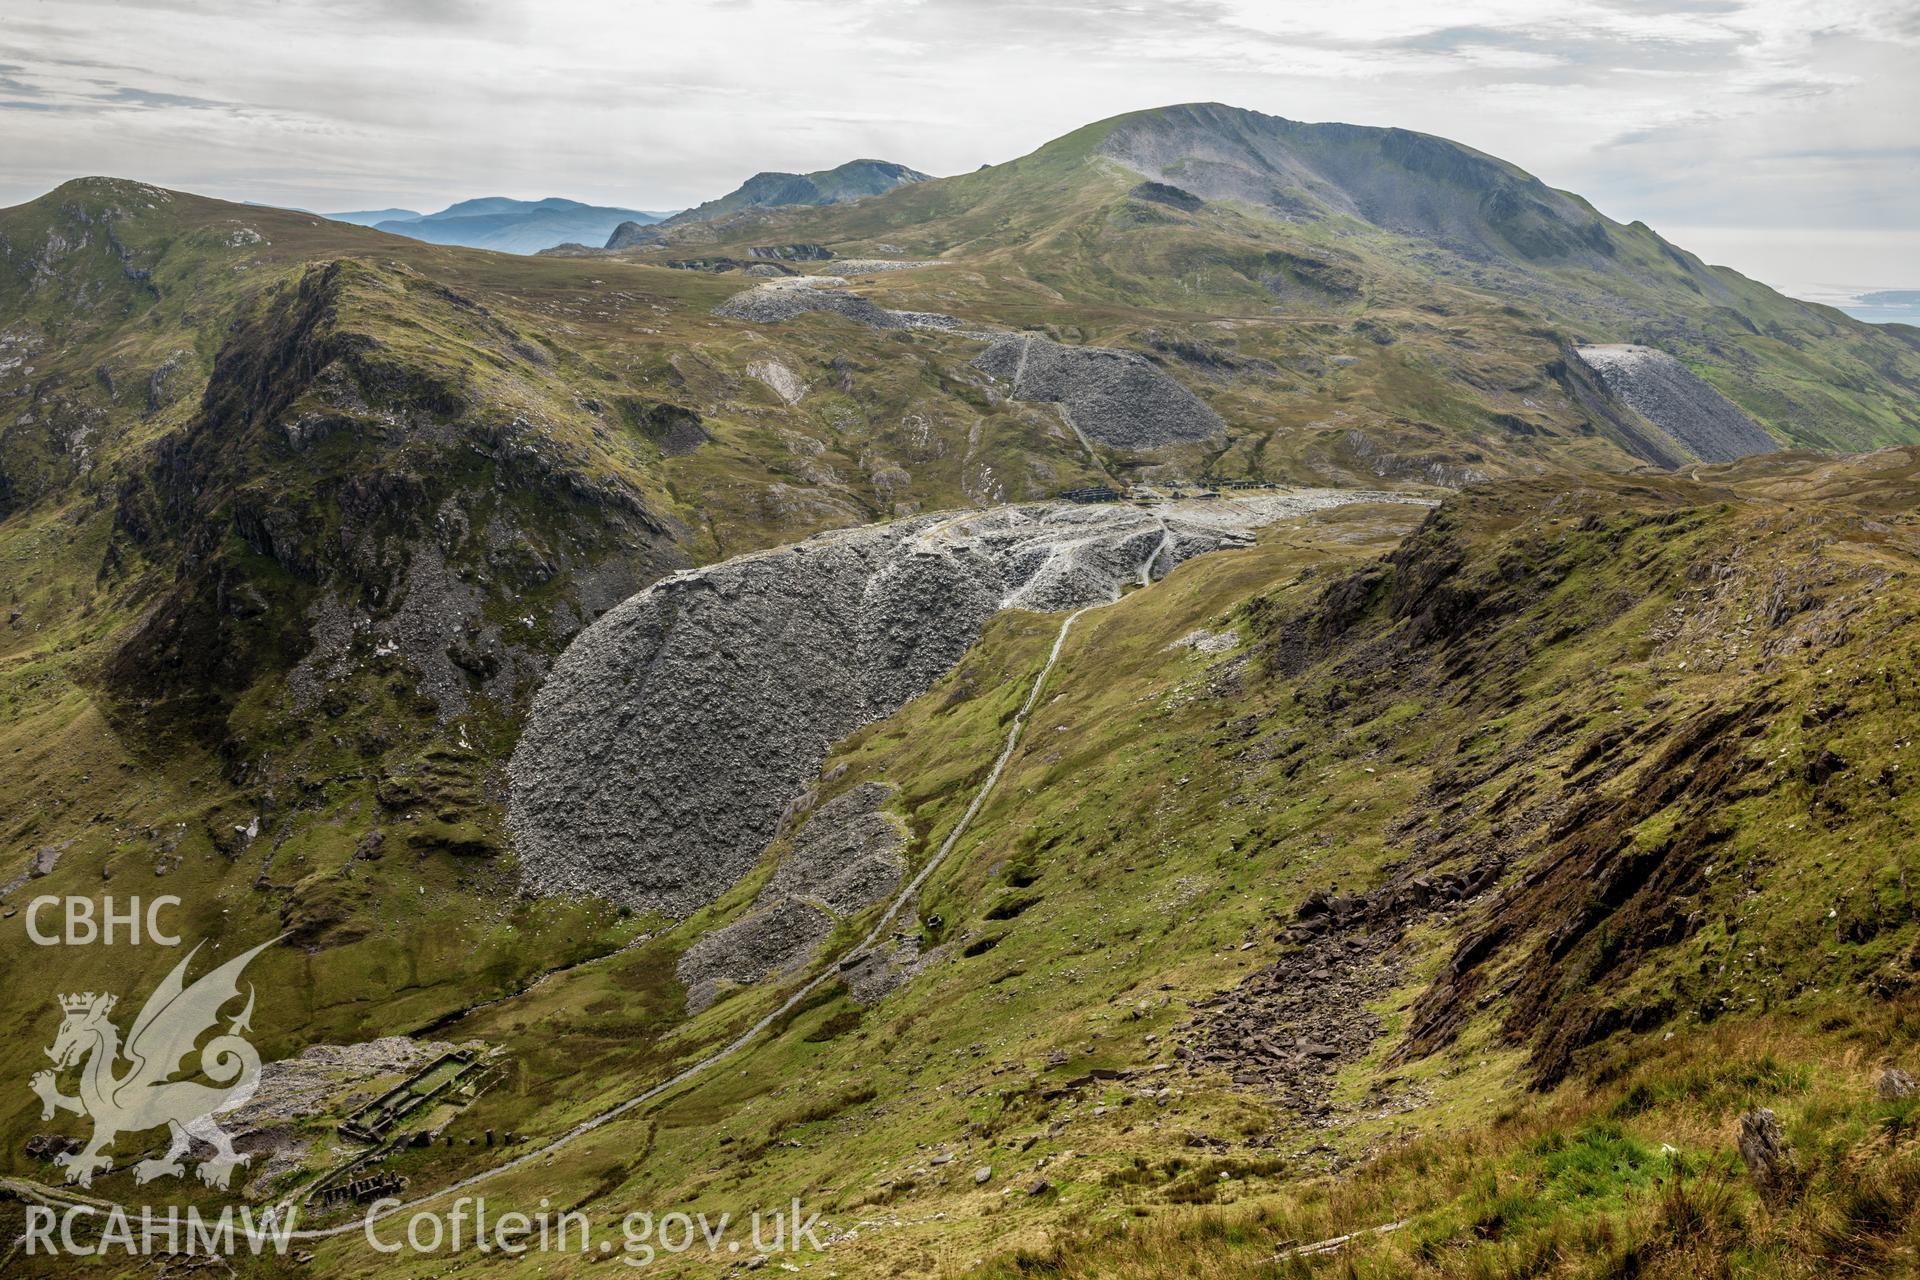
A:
(1780, 136)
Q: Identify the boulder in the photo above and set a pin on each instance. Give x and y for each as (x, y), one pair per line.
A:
(1894, 1084)
(1770, 1161)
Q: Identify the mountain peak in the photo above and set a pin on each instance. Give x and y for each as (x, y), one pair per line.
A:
(769, 189)
(1399, 180)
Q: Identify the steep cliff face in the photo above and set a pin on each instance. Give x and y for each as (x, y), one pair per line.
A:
(671, 734)
(337, 496)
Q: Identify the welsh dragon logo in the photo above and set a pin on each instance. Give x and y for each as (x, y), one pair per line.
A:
(143, 1095)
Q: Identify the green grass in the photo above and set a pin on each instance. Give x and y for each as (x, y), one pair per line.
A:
(1165, 811)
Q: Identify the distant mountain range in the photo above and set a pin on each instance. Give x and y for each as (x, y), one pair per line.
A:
(503, 224)
(374, 217)
(528, 226)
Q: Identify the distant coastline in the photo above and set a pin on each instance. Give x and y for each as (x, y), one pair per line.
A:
(1875, 306)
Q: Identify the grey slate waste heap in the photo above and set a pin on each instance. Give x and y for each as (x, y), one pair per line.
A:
(1674, 398)
(1119, 398)
(778, 301)
(672, 733)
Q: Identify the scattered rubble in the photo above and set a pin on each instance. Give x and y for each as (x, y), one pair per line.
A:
(778, 301)
(849, 854)
(1118, 398)
(874, 266)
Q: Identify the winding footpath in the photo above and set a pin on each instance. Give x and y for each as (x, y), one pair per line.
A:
(853, 956)
(277, 1213)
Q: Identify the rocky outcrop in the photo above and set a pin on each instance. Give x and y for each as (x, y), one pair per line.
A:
(1118, 398)
(783, 382)
(1770, 1161)
(631, 234)
(671, 735)
(1673, 398)
(1172, 197)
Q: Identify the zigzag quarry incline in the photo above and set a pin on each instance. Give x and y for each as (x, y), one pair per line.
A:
(673, 733)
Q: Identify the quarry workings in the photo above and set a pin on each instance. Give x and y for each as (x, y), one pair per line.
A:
(672, 734)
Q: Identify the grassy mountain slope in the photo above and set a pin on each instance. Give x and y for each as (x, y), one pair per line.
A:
(294, 513)
(1548, 934)
(1395, 238)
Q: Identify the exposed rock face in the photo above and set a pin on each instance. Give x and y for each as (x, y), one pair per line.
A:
(1670, 396)
(1118, 398)
(671, 734)
(676, 429)
(781, 300)
(391, 547)
(784, 382)
(628, 234)
(1770, 1161)
(1173, 197)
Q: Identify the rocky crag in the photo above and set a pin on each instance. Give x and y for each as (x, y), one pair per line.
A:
(672, 734)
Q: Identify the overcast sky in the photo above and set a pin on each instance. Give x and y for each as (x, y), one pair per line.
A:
(1779, 136)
